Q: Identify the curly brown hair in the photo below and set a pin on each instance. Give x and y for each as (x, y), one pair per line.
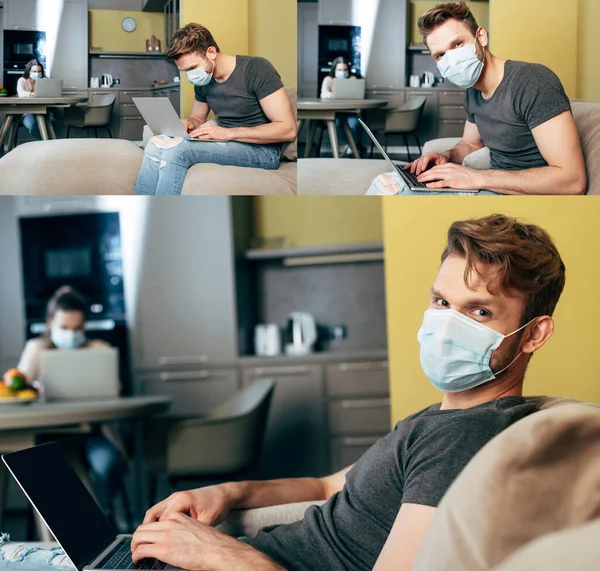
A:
(434, 18)
(522, 257)
(189, 39)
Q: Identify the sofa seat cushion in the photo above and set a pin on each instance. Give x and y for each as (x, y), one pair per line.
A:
(338, 176)
(71, 166)
(587, 118)
(235, 181)
(537, 477)
(576, 548)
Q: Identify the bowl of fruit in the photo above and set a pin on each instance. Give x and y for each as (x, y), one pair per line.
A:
(14, 389)
(3, 92)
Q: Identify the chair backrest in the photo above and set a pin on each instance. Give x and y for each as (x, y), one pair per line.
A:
(99, 110)
(406, 118)
(228, 440)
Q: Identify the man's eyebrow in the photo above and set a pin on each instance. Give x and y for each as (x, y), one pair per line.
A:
(451, 46)
(435, 293)
(473, 302)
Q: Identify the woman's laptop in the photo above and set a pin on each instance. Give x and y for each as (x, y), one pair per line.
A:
(349, 88)
(410, 179)
(48, 87)
(70, 512)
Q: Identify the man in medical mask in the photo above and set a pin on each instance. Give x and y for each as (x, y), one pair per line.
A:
(490, 309)
(518, 110)
(249, 100)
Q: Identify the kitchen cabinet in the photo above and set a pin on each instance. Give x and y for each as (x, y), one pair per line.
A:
(195, 391)
(131, 128)
(172, 11)
(186, 285)
(295, 442)
(335, 12)
(70, 61)
(21, 15)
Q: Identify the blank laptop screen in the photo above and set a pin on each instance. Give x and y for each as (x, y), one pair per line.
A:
(56, 491)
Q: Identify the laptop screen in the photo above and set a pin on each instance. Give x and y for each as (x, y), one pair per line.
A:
(63, 501)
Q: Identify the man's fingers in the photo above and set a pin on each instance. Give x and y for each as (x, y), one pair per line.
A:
(154, 513)
(148, 551)
(438, 184)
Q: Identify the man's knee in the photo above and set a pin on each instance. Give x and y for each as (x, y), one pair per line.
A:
(163, 142)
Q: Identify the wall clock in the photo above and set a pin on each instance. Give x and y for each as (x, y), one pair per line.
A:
(129, 24)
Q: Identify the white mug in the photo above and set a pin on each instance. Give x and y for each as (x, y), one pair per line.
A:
(94, 82)
(415, 81)
(267, 340)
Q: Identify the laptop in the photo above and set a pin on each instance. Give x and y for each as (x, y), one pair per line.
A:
(48, 88)
(70, 512)
(349, 88)
(80, 374)
(409, 178)
(161, 117)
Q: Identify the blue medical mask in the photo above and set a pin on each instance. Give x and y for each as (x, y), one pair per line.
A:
(461, 66)
(67, 338)
(199, 77)
(456, 350)
(35, 75)
(342, 75)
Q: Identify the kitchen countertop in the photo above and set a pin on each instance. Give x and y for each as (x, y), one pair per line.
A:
(314, 358)
(122, 88)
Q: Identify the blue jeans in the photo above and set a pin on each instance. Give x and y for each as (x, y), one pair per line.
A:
(167, 160)
(30, 123)
(30, 558)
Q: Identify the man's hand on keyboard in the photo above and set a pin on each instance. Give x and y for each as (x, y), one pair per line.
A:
(427, 161)
(454, 176)
(183, 542)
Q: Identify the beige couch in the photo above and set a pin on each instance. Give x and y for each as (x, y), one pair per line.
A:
(352, 177)
(529, 500)
(111, 166)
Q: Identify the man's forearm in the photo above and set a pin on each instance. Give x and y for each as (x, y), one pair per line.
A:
(246, 495)
(458, 153)
(545, 180)
(267, 134)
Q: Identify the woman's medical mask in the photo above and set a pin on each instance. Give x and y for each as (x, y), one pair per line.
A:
(199, 77)
(35, 75)
(342, 75)
(461, 66)
(456, 350)
(67, 338)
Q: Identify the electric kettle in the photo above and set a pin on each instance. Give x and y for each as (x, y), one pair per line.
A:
(107, 80)
(301, 334)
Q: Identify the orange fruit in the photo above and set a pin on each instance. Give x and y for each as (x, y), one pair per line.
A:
(14, 380)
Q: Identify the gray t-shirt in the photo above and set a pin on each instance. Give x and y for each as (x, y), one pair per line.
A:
(236, 101)
(529, 95)
(416, 463)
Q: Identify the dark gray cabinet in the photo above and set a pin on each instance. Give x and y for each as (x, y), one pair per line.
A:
(21, 15)
(295, 442)
(186, 296)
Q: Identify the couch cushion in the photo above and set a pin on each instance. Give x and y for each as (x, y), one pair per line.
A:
(338, 176)
(537, 477)
(587, 118)
(290, 150)
(213, 179)
(71, 166)
(576, 548)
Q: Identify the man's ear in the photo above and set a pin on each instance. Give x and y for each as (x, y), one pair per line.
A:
(483, 37)
(537, 334)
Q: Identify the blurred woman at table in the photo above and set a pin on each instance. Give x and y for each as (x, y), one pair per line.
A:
(340, 69)
(104, 450)
(34, 71)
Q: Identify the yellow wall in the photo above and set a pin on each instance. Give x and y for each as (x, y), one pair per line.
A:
(322, 220)
(540, 31)
(588, 87)
(107, 33)
(228, 22)
(273, 35)
(481, 11)
(414, 236)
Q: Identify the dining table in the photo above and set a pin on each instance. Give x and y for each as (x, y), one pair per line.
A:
(13, 108)
(22, 424)
(311, 111)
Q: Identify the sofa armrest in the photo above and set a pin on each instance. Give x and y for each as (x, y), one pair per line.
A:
(249, 522)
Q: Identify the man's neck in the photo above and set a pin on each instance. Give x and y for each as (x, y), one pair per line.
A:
(509, 386)
(491, 78)
(224, 66)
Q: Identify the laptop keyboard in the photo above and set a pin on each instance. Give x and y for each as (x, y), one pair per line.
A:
(120, 558)
(412, 179)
